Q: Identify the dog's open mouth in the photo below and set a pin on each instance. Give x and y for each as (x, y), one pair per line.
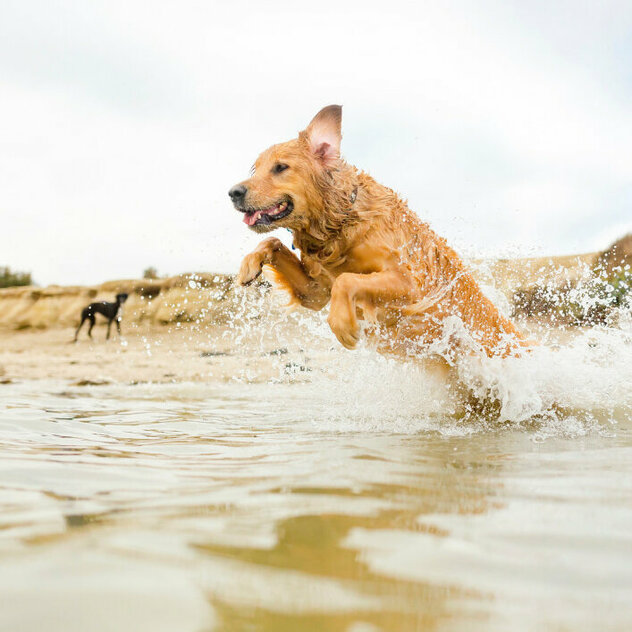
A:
(265, 216)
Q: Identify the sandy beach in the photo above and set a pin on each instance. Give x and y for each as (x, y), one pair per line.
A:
(186, 353)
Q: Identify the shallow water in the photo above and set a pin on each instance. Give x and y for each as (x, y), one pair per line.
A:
(348, 493)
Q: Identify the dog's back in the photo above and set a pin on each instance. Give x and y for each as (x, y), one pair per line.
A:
(105, 308)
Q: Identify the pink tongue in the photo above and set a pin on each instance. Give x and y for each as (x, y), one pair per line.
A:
(251, 219)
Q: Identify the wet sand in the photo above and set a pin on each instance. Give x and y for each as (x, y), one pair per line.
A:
(177, 353)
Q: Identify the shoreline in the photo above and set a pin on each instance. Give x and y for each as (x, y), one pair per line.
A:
(146, 354)
(199, 327)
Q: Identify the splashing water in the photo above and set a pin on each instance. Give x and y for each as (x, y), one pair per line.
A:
(574, 380)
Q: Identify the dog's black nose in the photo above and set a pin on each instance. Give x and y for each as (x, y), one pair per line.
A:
(237, 193)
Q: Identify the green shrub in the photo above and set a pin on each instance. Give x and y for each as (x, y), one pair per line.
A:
(590, 302)
(616, 289)
(12, 279)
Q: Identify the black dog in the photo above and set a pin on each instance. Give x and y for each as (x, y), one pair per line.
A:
(109, 310)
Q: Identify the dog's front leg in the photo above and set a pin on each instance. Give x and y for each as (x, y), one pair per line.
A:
(289, 273)
(376, 289)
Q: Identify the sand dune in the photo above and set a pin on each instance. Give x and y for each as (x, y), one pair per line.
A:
(184, 298)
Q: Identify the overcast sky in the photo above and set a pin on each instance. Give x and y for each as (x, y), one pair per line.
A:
(507, 125)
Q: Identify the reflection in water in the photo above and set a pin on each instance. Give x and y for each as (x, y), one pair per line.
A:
(308, 504)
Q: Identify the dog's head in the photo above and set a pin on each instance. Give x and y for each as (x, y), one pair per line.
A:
(121, 298)
(285, 188)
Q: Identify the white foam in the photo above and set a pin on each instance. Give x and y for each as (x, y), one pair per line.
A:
(565, 388)
(577, 380)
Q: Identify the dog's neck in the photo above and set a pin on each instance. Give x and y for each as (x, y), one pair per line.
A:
(327, 233)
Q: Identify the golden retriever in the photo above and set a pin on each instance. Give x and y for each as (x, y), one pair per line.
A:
(362, 250)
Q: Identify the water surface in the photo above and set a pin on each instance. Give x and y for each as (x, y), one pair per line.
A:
(342, 495)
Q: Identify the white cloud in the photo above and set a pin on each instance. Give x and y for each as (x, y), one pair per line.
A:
(124, 124)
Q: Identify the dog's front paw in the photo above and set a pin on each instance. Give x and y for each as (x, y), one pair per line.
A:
(346, 330)
(251, 265)
(250, 268)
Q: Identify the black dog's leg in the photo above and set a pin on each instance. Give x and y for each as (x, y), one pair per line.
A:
(92, 319)
(83, 320)
(107, 337)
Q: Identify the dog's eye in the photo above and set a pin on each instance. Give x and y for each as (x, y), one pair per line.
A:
(280, 167)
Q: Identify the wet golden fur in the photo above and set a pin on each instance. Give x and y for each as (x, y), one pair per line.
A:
(363, 251)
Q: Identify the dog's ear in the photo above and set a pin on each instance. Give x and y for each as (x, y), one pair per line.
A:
(323, 134)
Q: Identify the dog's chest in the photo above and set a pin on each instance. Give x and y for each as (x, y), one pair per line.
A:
(335, 261)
